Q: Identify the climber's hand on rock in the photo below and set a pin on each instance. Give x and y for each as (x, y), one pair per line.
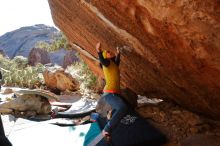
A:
(98, 47)
(124, 50)
(118, 50)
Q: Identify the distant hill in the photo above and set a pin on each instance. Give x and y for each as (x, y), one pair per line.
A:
(21, 41)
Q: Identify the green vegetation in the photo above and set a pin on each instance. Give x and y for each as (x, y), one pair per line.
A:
(83, 74)
(78, 70)
(58, 43)
(17, 72)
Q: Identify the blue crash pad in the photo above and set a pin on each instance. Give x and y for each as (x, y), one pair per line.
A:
(133, 130)
(29, 133)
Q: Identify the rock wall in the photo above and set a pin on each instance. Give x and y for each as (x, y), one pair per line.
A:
(69, 58)
(172, 47)
(38, 55)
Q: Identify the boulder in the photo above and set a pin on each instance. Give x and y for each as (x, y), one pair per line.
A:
(8, 91)
(69, 58)
(2, 52)
(26, 103)
(38, 55)
(57, 79)
(171, 48)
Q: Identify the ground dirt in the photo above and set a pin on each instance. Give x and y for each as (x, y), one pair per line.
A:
(177, 123)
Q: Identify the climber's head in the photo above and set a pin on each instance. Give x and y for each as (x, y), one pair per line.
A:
(108, 54)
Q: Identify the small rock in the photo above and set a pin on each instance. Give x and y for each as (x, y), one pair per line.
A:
(8, 91)
(193, 130)
(176, 112)
(162, 116)
(193, 120)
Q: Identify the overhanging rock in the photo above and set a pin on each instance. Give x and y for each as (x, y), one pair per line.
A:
(172, 48)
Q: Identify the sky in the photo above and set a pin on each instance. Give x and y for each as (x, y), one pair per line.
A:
(19, 13)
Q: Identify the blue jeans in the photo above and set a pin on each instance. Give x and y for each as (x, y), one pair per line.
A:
(119, 109)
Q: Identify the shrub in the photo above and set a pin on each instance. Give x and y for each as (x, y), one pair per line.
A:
(58, 43)
(83, 74)
(17, 72)
(20, 61)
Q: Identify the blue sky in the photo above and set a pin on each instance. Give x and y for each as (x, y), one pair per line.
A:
(18, 13)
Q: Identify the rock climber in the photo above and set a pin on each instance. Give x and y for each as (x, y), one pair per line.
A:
(111, 93)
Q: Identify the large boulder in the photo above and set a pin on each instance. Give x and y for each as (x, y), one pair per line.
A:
(171, 48)
(25, 103)
(58, 80)
(38, 55)
(69, 58)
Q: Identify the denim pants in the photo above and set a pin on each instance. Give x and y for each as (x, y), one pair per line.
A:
(119, 109)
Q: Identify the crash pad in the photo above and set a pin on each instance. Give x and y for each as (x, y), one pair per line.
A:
(3, 139)
(26, 133)
(79, 108)
(133, 130)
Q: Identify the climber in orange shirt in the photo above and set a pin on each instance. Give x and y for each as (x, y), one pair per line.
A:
(111, 93)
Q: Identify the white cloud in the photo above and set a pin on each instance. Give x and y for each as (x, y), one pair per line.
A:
(19, 13)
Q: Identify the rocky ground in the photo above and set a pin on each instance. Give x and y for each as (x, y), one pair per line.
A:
(182, 127)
